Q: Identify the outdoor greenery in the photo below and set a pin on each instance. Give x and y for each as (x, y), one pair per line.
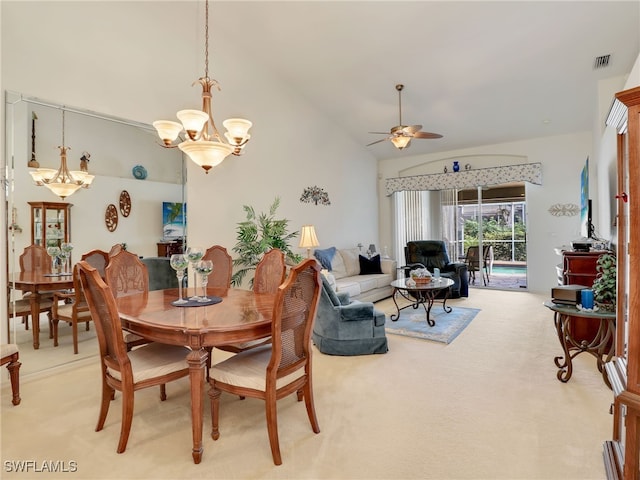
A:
(498, 234)
(257, 235)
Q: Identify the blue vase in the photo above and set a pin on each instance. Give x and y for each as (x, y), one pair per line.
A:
(456, 166)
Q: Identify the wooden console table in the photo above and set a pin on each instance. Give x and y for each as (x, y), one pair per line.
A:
(601, 346)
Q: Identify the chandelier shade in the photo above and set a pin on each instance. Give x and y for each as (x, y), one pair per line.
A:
(63, 182)
(202, 142)
(206, 154)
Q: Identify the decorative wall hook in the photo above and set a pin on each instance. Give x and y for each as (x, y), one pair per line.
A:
(623, 196)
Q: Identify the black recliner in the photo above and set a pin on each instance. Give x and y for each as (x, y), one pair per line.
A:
(433, 254)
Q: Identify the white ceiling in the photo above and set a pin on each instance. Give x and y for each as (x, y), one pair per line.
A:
(476, 72)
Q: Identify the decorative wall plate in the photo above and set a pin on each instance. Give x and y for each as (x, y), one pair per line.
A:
(111, 217)
(125, 203)
(139, 172)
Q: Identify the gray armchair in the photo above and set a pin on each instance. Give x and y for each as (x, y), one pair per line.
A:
(345, 327)
(433, 254)
(161, 275)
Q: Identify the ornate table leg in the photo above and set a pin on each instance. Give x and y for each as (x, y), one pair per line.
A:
(564, 364)
(444, 301)
(397, 314)
(197, 360)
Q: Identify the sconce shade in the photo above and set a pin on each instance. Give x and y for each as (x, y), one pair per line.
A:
(308, 237)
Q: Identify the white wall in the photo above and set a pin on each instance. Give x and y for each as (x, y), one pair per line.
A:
(133, 60)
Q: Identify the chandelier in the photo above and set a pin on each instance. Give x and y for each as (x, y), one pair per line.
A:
(203, 143)
(63, 182)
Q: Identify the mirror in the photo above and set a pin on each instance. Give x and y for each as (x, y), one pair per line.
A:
(119, 150)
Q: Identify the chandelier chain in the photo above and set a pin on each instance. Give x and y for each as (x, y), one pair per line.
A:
(206, 39)
(63, 126)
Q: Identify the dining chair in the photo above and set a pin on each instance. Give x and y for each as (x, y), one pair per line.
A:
(220, 277)
(270, 273)
(35, 258)
(147, 366)
(73, 310)
(272, 372)
(115, 249)
(127, 275)
(99, 259)
(23, 310)
(9, 356)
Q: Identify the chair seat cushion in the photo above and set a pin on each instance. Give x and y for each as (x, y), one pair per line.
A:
(153, 360)
(249, 369)
(8, 349)
(66, 311)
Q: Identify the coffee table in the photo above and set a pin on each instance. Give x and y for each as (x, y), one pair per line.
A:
(421, 294)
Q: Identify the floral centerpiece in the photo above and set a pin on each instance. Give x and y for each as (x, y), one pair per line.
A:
(420, 275)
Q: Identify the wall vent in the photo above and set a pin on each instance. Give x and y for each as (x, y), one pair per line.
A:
(601, 62)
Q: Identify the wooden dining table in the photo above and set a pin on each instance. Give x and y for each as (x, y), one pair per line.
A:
(36, 283)
(241, 316)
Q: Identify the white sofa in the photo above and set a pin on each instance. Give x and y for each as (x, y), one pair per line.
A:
(344, 275)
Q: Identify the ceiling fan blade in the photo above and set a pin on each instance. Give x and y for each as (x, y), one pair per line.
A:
(412, 128)
(380, 133)
(426, 135)
(377, 141)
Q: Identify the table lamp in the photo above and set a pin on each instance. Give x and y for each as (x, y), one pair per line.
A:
(308, 238)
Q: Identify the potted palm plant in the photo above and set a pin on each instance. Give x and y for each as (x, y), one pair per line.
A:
(258, 234)
(604, 286)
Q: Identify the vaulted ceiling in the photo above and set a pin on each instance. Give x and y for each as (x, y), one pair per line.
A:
(476, 72)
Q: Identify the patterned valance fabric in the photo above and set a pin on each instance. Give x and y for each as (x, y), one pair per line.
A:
(529, 172)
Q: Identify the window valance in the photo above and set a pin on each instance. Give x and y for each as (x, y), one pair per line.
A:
(529, 172)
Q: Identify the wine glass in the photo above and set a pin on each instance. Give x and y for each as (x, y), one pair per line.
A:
(54, 253)
(194, 254)
(66, 248)
(179, 262)
(204, 268)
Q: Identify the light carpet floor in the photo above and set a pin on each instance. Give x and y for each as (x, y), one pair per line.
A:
(487, 406)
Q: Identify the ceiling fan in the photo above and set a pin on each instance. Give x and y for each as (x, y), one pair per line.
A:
(401, 135)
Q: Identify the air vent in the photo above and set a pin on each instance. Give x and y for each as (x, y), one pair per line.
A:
(601, 62)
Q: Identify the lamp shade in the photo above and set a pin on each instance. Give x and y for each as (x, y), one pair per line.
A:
(308, 237)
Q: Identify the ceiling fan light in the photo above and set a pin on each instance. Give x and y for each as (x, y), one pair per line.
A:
(167, 130)
(207, 154)
(401, 142)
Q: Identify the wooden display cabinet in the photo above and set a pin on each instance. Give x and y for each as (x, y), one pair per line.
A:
(50, 223)
(622, 452)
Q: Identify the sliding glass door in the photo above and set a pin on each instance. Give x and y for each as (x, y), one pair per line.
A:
(491, 219)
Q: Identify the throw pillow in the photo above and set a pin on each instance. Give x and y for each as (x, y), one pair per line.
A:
(325, 256)
(369, 266)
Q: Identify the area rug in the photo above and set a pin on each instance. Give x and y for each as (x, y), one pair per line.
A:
(413, 323)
